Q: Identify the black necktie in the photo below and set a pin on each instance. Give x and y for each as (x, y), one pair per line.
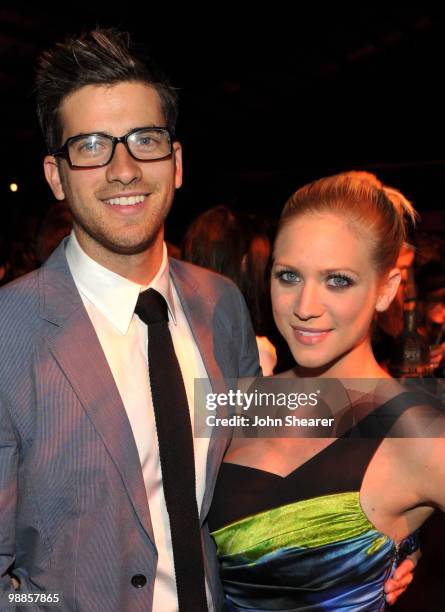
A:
(176, 454)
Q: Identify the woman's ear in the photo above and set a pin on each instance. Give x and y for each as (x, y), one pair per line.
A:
(52, 175)
(388, 289)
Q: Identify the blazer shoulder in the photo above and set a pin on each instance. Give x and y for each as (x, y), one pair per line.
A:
(216, 294)
(208, 281)
(19, 322)
(20, 293)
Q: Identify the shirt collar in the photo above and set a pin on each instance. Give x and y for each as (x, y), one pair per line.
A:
(114, 295)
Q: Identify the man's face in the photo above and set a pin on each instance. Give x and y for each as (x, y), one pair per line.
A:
(119, 208)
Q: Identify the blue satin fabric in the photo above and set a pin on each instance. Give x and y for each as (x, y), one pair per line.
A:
(302, 542)
(276, 574)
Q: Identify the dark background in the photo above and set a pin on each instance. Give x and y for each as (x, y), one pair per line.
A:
(270, 99)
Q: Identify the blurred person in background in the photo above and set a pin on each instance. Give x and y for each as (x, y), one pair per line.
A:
(431, 292)
(238, 248)
(56, 224)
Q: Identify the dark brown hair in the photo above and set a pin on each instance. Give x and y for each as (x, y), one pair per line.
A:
(214, 241)
(238, 247)
(99, 57)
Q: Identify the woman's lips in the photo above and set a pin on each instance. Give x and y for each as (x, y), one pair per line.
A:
(310, 336)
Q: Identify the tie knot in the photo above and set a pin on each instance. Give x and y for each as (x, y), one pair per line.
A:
(151, 307)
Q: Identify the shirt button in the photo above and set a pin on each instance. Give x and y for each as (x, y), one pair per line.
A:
(138, 581)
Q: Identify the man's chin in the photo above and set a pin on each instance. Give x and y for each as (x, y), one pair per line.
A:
(126, 245)
(133, 243)
(134, 248)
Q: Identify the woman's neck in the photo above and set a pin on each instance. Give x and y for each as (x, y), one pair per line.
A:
(357, 363)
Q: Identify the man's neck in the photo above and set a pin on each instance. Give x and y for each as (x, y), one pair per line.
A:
(139, 268)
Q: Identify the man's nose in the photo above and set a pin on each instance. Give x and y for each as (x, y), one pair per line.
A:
(123, 167)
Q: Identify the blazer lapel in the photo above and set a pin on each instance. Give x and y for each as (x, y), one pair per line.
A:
(200, 315)
(74, 344)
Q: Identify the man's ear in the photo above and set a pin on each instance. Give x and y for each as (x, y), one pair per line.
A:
(52, 175)
(177, 153)
(388, 289)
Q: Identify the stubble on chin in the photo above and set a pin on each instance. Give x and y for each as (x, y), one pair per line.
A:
(97, 241)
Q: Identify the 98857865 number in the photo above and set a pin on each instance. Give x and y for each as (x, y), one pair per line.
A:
(34, 598)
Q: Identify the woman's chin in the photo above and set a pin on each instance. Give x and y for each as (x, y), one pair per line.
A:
(311, 362)
(320, 365)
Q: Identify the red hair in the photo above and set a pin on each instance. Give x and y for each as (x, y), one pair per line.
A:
(379, 211)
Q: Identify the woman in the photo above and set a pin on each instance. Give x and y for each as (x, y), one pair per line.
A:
(317, 523)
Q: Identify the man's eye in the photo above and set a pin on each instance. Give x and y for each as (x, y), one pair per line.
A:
(144, 141)
(88, 147)
(339, 281)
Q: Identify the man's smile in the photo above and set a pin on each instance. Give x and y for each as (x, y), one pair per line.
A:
(126, 200)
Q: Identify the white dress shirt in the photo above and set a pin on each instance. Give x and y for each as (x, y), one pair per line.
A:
(110, 300)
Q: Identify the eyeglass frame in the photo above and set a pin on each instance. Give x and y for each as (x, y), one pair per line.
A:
(63, 151)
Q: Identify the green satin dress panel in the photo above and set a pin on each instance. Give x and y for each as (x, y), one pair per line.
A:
(302, 542)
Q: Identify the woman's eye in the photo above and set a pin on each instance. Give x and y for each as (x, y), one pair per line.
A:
(287, 276)
(339, 281)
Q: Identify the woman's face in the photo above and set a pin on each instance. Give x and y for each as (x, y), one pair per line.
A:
(325, 291)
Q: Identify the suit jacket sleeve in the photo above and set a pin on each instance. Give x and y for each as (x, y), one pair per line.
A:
(8, 496)
(248, 355)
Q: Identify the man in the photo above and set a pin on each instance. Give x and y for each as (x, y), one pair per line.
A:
(82, 509)
(83, 515)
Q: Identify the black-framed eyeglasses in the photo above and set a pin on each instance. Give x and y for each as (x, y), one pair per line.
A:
(97, 150)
